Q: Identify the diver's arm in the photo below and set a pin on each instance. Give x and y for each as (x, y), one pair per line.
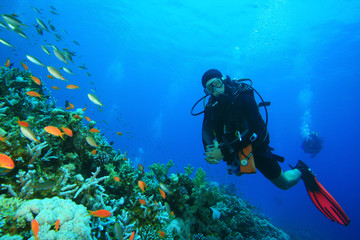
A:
(207, 132)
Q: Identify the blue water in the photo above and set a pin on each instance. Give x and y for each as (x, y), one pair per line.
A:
(146, 59)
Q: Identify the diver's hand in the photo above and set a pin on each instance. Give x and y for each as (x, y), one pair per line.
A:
(213, 155)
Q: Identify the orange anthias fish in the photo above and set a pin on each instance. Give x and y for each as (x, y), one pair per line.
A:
(50, 76)
(6, 164)
(93, 152)
(100, 213)
(33, 94)
(142, 185)
(142, 201)
(87, 119)
(67, 131)
(162, 234)
(76, 116)
(94, 130)
(25, 66)
(57, 225)
(132, 236)
(119, 133)
(2, 139)
(162, 193)
(71, 86)
(7, 64)
(55, 87)
(70, 106)
(117, 179)
(22, 123)
(36, 80)
(54, 131)
(83, 109)
(35, 228)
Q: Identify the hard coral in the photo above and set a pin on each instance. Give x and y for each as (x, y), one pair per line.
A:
(74, 222)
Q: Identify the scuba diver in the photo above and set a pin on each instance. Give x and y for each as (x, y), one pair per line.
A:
(312, 144)
(234, 131)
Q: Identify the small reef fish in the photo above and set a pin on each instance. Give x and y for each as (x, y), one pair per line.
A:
(13, 21)
(3, 139)
(52, 27)
(25, 66)
(162, 193)
(57, 225)
(67, 70)
(33, 94)
(60, 56)
(94, 99)
(142, 185)
(67, 131)
(6, 164)
(87, 119)
(36, 80)
(83, 109)
(93, 152)
(76, 116)
(3, 25)
(69, 105)
(55, 87)
(39, 30)
(35, 228)
(35, 60)
(116, 179)
(142, 201)
(45, 50)
(20, 33)
(141, 168)
(54, 131)
(94, 130)
(161, 234)
(165, 188)
(167, 208)
(71, 86)
(55, 73)
(50, 76)
(76, 42)
(28, 133)
(132, 236)
(44, 185)
(100, 213)
(91, 142)
(22, 123)
(6, 42)
(36, 10)
(42, 24)
(7, 63)
(119, 231)
(119, 133)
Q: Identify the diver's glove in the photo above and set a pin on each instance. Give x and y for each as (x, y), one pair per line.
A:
(213, 155)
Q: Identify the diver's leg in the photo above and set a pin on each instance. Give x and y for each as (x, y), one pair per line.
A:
(287, 179)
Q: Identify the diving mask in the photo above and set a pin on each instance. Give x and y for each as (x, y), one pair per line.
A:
(214, 87)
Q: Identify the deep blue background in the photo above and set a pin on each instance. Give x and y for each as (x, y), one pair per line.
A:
(147, 58)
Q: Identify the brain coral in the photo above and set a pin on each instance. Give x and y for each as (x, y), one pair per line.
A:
(74, 224)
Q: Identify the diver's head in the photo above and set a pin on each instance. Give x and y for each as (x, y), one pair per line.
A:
(212, 81)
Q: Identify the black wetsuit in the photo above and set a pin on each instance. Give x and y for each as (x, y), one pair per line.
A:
(234, 111)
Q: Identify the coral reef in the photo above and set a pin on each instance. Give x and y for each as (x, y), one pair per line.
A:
(56, 179)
